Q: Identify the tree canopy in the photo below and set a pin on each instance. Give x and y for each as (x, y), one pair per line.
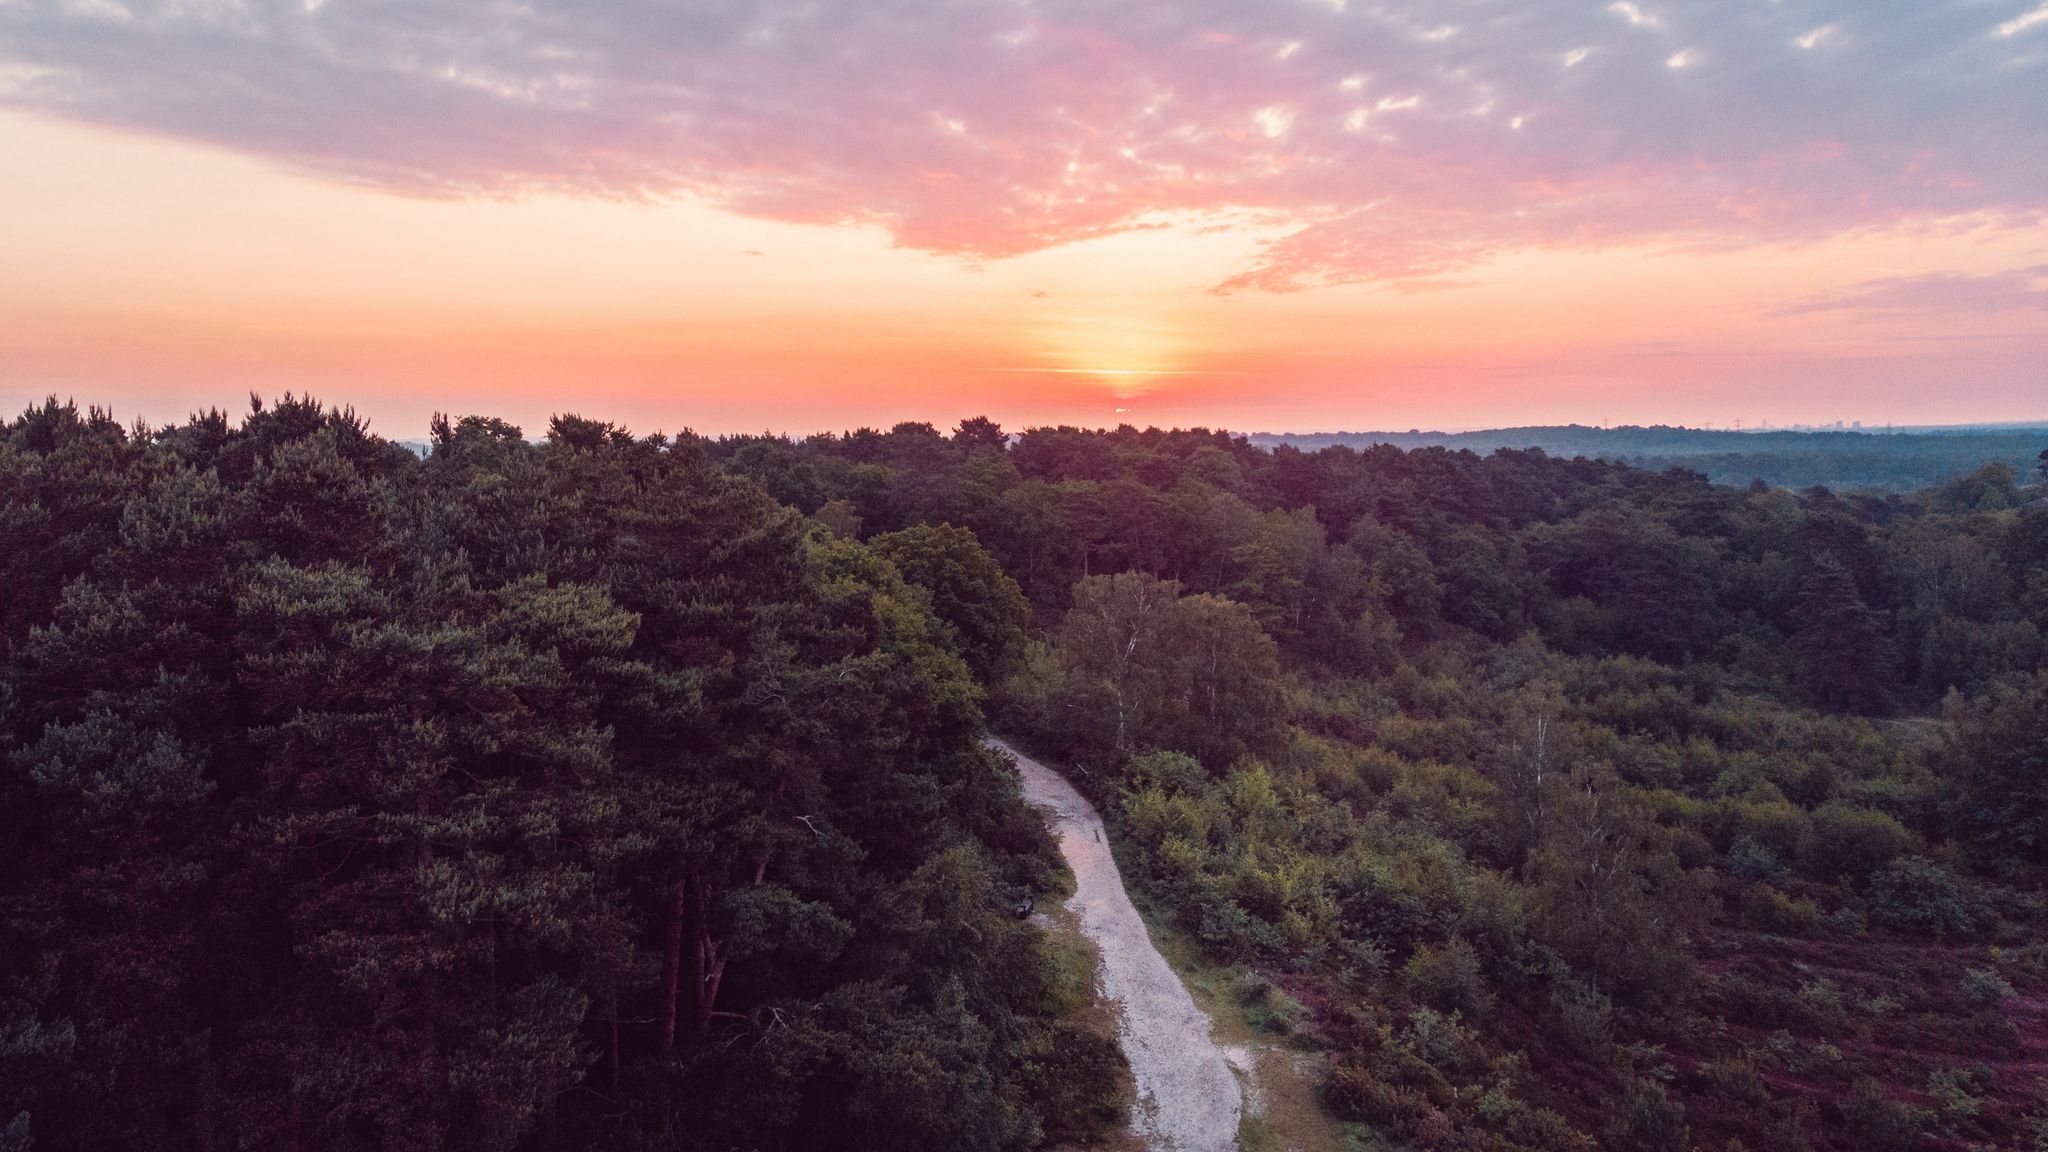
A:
(619, 791)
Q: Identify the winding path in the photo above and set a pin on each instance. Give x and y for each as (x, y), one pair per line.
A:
(1188, 1100)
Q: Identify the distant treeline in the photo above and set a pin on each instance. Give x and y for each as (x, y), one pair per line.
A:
(1892, 461)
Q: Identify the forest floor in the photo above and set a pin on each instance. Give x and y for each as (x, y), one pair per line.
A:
(1188, 1096)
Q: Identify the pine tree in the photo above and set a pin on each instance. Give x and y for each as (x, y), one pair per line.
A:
(1843, 655)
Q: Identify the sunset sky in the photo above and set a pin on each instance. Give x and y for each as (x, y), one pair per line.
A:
(808, 214)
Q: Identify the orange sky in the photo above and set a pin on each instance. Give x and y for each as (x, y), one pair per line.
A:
(161, 276)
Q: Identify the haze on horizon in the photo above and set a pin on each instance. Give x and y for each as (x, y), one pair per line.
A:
(1304, 215)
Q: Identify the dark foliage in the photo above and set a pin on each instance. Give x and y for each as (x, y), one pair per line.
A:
(621, 792)
(571, 794)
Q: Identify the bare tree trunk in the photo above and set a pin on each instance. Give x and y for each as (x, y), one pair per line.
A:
(202, 1119)
(672, 970)
(612, 1023)
(1122, 744)
(495, 935)
(713, 964)
(550, 1128)
(708, 957)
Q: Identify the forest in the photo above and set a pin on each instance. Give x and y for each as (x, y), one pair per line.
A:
(1893, 460)
(623, 791)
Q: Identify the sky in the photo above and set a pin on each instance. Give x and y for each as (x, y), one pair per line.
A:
(801, 215)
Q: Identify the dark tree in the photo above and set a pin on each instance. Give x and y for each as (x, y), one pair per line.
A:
(1840, 641)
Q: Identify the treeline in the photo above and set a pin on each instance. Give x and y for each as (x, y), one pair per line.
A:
(570, 794)
(1851, 601)
(1894, 461)
(1559, 803)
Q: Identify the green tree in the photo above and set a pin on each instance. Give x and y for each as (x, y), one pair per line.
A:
(970, 592)
(1606, 890)
(1138, 665)
(1997, 747)
(1841, 644)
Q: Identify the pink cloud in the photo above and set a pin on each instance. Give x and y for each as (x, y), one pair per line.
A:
(1935, 294)
(1399, 143)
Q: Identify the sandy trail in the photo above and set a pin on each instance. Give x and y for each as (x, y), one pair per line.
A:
(1187, 1098)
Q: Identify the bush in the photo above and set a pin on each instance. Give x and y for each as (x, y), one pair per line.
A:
(1736, 1077)
(1431, 1045)
(1650, 1121)
(1750, 860)
(1267, 1007)
(1853, 841)
(1916, 894)
(1583, 1014)
(1876, 1121)
(1958, 1091)
(1541, 1130)
(1447, 978)
(1353, 1092)
(1080, 1083)
(1770, 910)
(1822, 1000)
(1984, 986)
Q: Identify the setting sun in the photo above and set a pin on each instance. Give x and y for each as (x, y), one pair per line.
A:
(1305, 217)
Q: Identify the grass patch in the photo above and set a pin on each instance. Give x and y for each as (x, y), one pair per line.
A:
(1283, 1108)
(1087, 1064)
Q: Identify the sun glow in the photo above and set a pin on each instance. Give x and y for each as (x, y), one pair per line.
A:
(162, 278)
(1129, 355)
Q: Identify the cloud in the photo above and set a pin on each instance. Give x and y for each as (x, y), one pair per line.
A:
(1420, 287)
(1935, 294)
(1391, 142)
(1634, 15)
(1811, 39)
(2019, 24)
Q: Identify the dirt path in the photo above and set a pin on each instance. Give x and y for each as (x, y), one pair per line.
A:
(1188, 1100)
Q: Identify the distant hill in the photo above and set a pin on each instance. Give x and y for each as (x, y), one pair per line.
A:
(1895, 460)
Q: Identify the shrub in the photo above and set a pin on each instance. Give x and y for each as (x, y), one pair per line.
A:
(1267, 1007)
(1878, 1122)
(1766, 908)
(1823, 1003)
(1650, 1121)
(1763, 816)
(1958, 1091)
(1985, 986)
(1541, 1130)
(1751, 860)
(1847, 921)
(1447, 978)
(1080, 1082)
(1363, 958)
(1437, 1039)
(1225, 928)
(1855, 841)
(1736, 1077)
(1916, 894)
(1782, 1048)
(1582, 1014)
(1353, 1092)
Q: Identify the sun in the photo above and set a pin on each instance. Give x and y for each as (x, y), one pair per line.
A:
(1129, 354)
